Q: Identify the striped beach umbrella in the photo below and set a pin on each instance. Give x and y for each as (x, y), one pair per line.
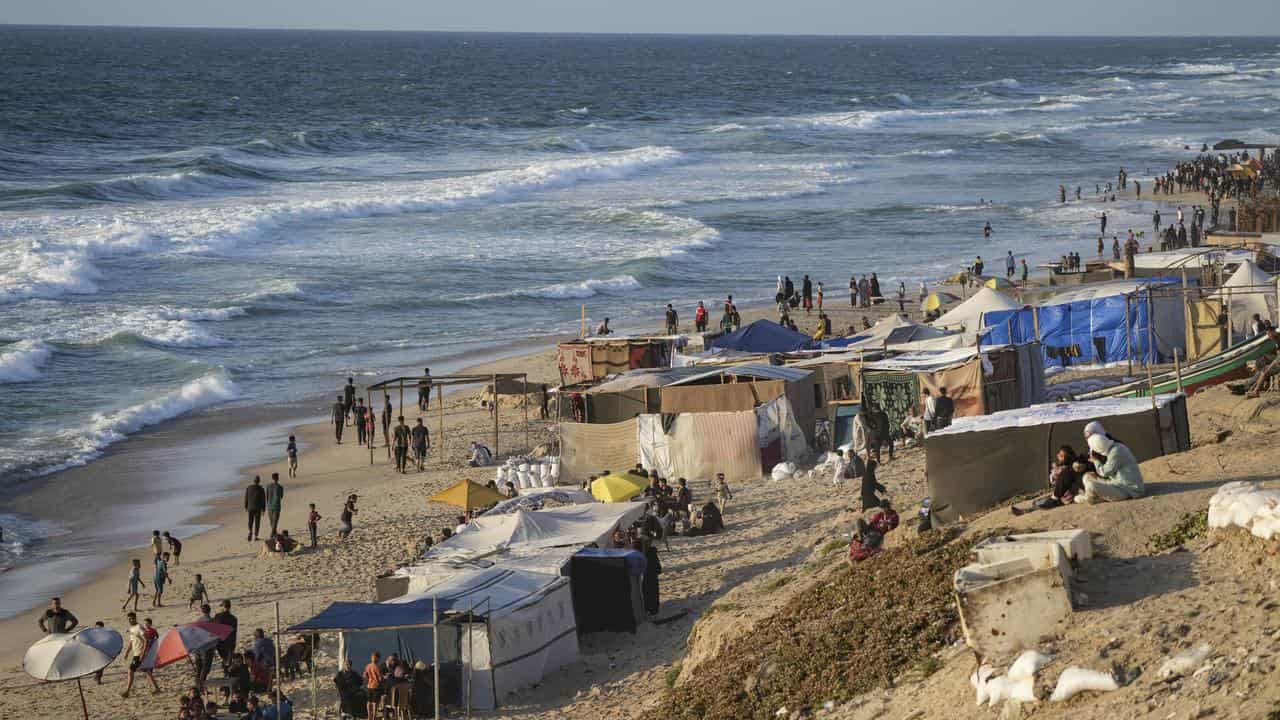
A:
(182, 640)
(71, 656)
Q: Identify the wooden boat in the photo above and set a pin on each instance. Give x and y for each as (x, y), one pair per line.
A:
(1230, 364)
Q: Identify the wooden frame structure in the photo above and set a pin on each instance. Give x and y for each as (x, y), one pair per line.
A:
(439, 383)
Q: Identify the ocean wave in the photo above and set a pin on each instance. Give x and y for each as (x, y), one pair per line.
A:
(678, 234)
(726, 127)
(567, 291)
(23, 361)
(202, 176)
(562, 143)
(1013, 138)
(1007, 83)
(1183, 68)
(584, 110)
(1065, 99)
(902, 98)
(200, 314)
(871, 119)
(105, 429)
(48, 271)
(1089, 123)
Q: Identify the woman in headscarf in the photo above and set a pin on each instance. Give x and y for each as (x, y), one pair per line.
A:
(1117, 476)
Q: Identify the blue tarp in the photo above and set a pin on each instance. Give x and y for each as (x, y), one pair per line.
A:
(372, 616)
(764, 336)
(1081, 332)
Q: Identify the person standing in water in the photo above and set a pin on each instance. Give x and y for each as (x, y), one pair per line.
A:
(673, 320)
(986, 231)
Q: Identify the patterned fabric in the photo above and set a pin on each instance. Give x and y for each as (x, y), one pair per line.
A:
(896, 392)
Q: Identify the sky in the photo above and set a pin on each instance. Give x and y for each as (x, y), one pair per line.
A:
(823, 17)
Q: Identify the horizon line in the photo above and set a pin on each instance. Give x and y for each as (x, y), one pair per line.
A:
(613, 33)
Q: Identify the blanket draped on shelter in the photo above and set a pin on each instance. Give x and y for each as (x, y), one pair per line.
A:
(591, 448)
(896, 392)
(963, 384)
(575, 364)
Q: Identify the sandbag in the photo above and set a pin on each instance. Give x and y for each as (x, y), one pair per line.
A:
(1075, 680)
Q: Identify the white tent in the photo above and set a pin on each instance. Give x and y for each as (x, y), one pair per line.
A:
(524, 531)
(1190, 258)
(1248, 291)
(893, 331)
(967, 316)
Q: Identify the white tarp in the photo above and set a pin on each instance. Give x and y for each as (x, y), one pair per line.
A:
(655, 451)
(1048, 413)
(775, 420)
(895, 330)
(577, 525)
(967, 316)
(1249, 291)
(1190, 258)
(925, 361)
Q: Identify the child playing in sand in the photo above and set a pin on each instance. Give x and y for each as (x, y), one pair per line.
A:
(313, 523)
(198, 592)
(135, 584)
(291, 450)
(161, 577)
(723, 494)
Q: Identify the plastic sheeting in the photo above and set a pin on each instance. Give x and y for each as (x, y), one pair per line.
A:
(967, 317)
(591, 448)
(573, 525)
(1248, 291)
(775, 421)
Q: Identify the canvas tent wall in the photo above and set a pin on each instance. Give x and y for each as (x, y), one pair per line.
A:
(979, 462)
(891, 330)
(585, 361)
(1098, 324)
(699, 445)
(1247, 292)
(966, 318)
(588, 448)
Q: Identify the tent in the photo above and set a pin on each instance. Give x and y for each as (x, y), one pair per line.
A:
(889, 330)
(584, 361)
(573, 525)
(979, 462)
(967, 316)
(764, 336)
(936, 300)
(616, 488)
(468, 495)
(1247, 292)
(606, 590)
(498, 630)
(588, 449)
(1108, 322)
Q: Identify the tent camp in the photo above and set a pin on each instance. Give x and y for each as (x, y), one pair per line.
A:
(979, 462)
(764, 336)
(977, 382)
(1096, 324)
(490, 632)
(1247, 292)
(966, 317)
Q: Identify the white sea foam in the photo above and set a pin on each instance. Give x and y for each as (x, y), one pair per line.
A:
(23, 361)
(726, 127)
(48, 270)
(103, 429)
(1198, 69)
(1007, 83)
(903, 98)
(200, 314)
(584, 289)
(870, 119)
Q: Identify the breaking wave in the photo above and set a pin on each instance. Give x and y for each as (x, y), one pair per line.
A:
(23, 361)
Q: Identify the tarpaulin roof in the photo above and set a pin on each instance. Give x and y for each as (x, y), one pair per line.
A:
(572, 525)
(1052, 413)
(967, 314)
(1189, 257)
(759, 371)
(534, 500)
(487, 591)
(1094, 291)
(764, 336)
(925, 361)
(890, 330)
(647, 377)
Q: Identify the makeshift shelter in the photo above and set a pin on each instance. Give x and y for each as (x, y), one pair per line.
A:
(889, 331)
(490, 632)
(468, 495)
(588, 360)
(1247, 292)
(979, 462)
(1173, 262)
(588, 449)
(966, 317)
(1096, 324)
(606, 590)
(616, 488)
(977, 382)
(764, 336)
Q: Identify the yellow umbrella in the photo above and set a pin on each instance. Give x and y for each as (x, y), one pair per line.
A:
(616, 488)
(997, 283)
(958, 279)
(468, 495)
(937, 300)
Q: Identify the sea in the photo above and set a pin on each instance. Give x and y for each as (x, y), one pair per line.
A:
(205, 221)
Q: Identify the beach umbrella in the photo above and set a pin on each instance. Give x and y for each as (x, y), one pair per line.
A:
(180, 641)
(997, 283)
(468, 495)
(959, 278)
(937, 300)
(71, 656)
(616, 488)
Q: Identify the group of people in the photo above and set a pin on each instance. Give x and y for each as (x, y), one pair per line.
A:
(389, 683)
(1106, 472)
(270, 499)
(730, 319)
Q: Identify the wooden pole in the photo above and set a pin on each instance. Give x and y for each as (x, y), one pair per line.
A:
(277, 669)
(471, 616)
(1230, 334)
(1177, 367)
(369, 395)
(525, 384)
(1128, 338)
(495, 416)
(84, 707)
(582, 328)
(1151, 387)
(311, 639)
(440, 430)
(435, 648)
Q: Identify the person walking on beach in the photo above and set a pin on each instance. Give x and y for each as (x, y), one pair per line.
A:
(135, 648)
(1115, 247)
(673, 320)
(157, 546)
(421, 442)
(291, 452)
(1155, 220)
(853, 291)
(338, 416)
(370, 422)
(424, 395)
(175, 547)
(806, 293)
(864, 292)
(135, 585)
(255, 501)
(387, 414)
(227, 647)
(199, 594)
(313, 524)
(159, 579)
(699, 318)
(1024, 271)
(902, 296)
(357, 415)
(1009, 265)
(349, 396)
(401, 442)
(347, 518)
(723, 494)
(275, 499)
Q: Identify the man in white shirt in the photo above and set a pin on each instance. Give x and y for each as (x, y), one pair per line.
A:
(930, 409)
(135, 648)
(837, 472)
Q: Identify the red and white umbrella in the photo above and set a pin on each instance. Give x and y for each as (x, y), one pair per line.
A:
(182, 640)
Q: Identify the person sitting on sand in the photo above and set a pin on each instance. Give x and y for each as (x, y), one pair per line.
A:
(481, 456)
(1117, 476)
(867, 541)
(883, 519)
(604, 328)
(912, 426)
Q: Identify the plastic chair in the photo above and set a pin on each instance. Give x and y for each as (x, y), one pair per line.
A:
(400, 701)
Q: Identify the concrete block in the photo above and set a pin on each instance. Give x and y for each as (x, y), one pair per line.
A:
(1007, 606)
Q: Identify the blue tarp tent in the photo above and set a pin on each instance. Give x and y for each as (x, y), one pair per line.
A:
(1105, 323)
(764, 336)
